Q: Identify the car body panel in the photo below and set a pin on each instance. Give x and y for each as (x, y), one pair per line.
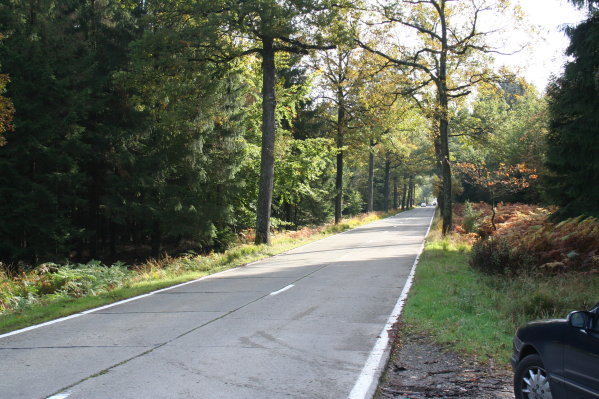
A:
(570, 355)
(581, 362)
(545, 338)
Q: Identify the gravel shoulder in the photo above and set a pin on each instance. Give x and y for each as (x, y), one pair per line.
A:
(419, 368)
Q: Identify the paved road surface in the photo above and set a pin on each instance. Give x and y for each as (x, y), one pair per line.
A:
(297, 325)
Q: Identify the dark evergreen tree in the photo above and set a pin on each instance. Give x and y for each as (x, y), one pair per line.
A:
(7, 109)
(61, 56)
(180, 179)
(45, 58)
(573, 142)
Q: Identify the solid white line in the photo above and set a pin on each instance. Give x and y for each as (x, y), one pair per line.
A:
(290, 286)
(60, 320)
(366, 384)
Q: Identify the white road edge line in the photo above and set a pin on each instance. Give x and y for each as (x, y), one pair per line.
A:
(73, 316)
(290, 286)
(366, 384)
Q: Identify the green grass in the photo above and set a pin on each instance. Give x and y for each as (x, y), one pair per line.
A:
(478, 314)
(76, 288)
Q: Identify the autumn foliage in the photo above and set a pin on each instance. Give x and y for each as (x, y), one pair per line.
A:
(526, 240)
(504, 178)
(497, 182)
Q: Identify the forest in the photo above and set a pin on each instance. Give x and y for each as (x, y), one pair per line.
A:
(137, 128)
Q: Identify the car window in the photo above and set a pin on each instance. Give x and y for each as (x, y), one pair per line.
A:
(595, 325)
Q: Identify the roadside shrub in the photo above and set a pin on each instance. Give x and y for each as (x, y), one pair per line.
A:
(572, 245)
(353, 202)
(472, 221)
(526, 239)
(50, 280)
(497, 256)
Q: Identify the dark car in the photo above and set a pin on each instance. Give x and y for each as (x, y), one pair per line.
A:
(558, 359)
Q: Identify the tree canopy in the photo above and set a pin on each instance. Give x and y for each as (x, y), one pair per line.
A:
(572, 181)
(134, 128)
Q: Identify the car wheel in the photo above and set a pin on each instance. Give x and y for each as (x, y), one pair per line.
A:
(530, 380)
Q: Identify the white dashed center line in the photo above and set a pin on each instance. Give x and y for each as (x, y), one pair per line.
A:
(60, 396)
(290, 286)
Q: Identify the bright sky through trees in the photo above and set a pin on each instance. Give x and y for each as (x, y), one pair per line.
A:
(545, 55)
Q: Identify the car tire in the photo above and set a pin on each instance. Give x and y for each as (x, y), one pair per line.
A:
(530, 379)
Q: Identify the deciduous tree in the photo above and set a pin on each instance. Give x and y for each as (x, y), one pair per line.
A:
(447, 54)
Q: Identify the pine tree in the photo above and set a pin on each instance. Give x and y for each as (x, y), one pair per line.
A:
(573, 141)
(180, 162)
(38, 163)
(7, 109)
(60, 56)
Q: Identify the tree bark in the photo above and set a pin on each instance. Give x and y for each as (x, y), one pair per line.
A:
(386, 185)
(443, 99)
(267, 159)
(395, 193)
(370, 204)
(404, 193)
(409, 201)
(446, 172)
(339, 174)
(413, 193)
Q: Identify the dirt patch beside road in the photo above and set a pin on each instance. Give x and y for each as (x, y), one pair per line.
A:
(420, 369)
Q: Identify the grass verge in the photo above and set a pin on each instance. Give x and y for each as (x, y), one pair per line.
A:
(79, 294)
(477, 314)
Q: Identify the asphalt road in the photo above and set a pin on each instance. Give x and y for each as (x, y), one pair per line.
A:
(298, 325)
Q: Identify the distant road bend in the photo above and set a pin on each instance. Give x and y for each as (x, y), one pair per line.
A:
(302, 324)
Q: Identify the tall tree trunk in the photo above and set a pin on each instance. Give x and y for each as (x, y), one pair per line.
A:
(439, 168)
(443, 99)
(410, 192)
(339, 140)
(404, 193)
(339, 187)
(386, 185)
(288, 210)
(370, 204)
(395, 193)
(446, 172)
(267, 159)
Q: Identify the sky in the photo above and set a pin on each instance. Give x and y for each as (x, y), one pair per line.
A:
(545, 53)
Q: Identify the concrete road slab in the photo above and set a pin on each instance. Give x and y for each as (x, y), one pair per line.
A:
(297, 325)
(37, 372)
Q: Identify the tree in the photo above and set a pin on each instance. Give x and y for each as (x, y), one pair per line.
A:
(572, 181)
(497, 182)
(299, 178)
(47, 57)
(7, 109)
(448, 56)
(179, 167)
(267, 28)
(506, 123)
(341, 82)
